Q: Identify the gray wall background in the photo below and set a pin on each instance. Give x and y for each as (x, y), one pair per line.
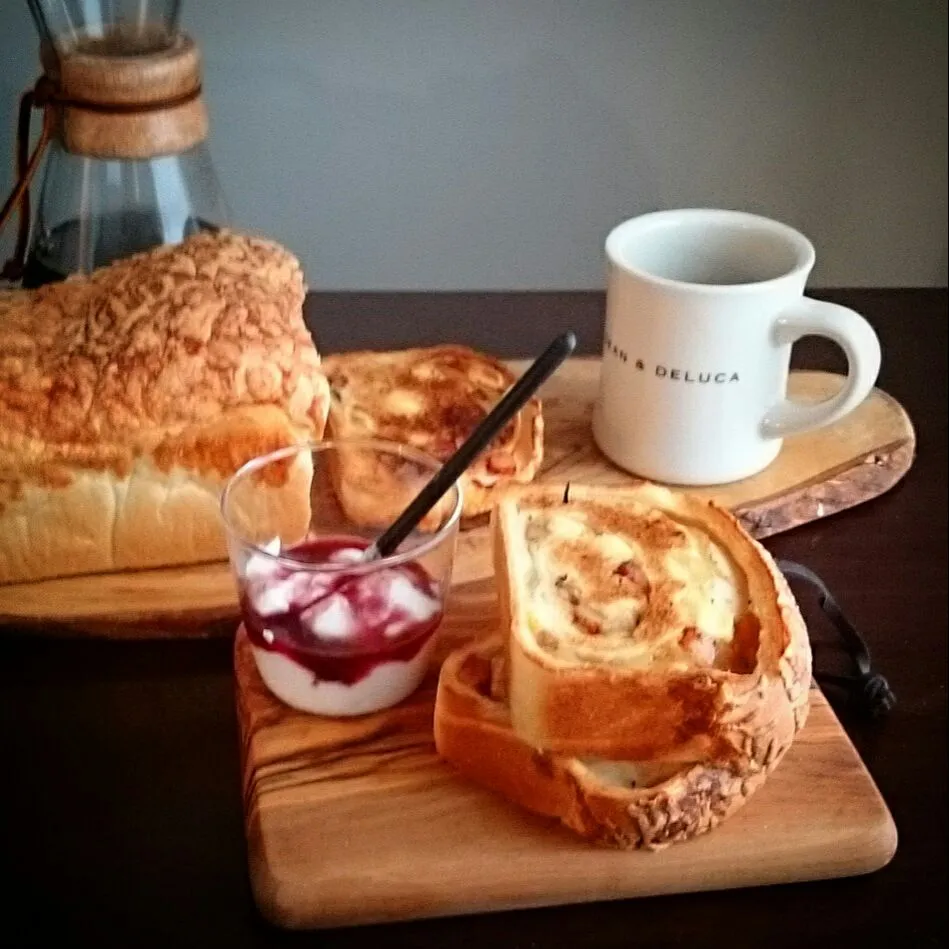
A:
(444, 144)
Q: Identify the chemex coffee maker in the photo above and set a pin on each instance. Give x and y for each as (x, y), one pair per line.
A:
(124, 130)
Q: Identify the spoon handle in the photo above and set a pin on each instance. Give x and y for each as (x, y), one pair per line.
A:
(489, 427)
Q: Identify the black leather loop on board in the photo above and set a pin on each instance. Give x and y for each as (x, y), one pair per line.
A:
(866, 689)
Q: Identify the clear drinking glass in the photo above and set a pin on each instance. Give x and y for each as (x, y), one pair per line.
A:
(331, 634)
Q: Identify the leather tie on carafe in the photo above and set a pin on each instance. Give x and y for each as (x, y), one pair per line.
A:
(866, 689)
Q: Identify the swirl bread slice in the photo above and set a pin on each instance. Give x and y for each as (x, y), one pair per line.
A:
(621, 804)
(129, 396)
(432, 399)
(646, 625)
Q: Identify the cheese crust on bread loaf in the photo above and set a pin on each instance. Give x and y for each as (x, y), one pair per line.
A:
(624, 804)
(644, 624)
(129, 396)
(431, 399)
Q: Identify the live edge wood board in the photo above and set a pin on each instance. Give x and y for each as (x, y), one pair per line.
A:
(357, 821)
(816, 475)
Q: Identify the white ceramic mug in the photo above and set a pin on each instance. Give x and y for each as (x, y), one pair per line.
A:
(702, 309)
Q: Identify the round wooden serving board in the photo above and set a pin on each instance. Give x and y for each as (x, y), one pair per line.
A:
(816, 474)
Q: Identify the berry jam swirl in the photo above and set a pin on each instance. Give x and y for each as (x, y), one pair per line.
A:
(338, 624)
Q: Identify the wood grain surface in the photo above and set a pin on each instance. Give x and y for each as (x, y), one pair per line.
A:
(143, 78)
(816, 475)
(356, 821)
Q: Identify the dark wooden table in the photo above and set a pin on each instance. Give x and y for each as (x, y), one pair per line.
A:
(120, 801)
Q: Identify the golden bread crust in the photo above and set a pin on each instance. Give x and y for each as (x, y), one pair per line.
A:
(669, 804)
(432, 398)
(743, 708)
(145, 385)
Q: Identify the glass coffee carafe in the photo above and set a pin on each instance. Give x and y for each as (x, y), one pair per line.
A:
(125, 136)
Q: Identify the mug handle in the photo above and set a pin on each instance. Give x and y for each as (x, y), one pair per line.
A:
(854, 335)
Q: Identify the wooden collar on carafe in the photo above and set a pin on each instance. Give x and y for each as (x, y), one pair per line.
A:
(127, 106)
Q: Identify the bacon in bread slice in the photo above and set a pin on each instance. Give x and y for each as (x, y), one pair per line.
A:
(432, 399)
(644, 624)
(629, 805)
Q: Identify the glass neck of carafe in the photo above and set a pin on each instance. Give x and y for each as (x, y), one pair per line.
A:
(117, 27)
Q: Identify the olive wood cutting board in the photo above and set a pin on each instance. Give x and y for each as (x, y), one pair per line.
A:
(816, 475)
(357, 821)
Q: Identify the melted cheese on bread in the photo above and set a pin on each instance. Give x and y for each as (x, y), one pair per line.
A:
(630, 774)
(432, 399)
(630, 587)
